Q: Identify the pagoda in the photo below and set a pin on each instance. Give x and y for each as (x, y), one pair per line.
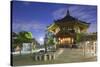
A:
(65, 29)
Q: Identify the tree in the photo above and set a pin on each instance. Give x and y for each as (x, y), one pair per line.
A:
(23, 37)
(79, 37)
(52, 41)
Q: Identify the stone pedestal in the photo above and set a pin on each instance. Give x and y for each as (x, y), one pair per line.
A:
(36, 58)
(44, 57)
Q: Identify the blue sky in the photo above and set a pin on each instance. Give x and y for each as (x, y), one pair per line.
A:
(35, 17)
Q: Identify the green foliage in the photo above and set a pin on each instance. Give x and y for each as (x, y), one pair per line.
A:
(51, 41)
(25, 35)
(79, 37)
(22, 37)
(28, 35)
(14, 46)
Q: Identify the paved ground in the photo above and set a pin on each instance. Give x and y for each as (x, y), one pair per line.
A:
(63, 55)
(73, 55)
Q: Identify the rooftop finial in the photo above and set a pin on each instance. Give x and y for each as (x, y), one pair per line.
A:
(68, 13)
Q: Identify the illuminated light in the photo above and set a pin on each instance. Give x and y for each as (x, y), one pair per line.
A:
(87, 41)
(66, 39)
(72, 39)
(59, 38)
(41, 39)
(61, 41)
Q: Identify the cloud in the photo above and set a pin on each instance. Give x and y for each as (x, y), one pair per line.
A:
(59, 13)
(87, 14)
(93, 28)
(26, 3)
(84, 13)
(27, 26)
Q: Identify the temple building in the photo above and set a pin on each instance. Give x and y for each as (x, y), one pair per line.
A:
(65, 29)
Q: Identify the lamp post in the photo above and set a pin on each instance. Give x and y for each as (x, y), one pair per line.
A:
(45, 43)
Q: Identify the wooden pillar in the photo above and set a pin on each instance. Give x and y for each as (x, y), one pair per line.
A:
(71, 41)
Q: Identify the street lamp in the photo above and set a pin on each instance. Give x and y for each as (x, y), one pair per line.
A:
(45, 42)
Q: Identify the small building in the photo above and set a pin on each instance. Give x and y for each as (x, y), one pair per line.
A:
(27, 45)
(89, 44)
(65, 29)
(14, 45)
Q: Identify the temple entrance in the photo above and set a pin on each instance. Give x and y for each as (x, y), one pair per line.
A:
(66, 41)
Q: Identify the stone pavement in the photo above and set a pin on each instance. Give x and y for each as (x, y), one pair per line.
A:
(73, 55)
(63, 55)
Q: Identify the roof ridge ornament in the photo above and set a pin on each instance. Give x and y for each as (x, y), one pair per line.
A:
(68, 13)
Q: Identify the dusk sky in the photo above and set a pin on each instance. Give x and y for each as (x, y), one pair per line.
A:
(35, 17)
